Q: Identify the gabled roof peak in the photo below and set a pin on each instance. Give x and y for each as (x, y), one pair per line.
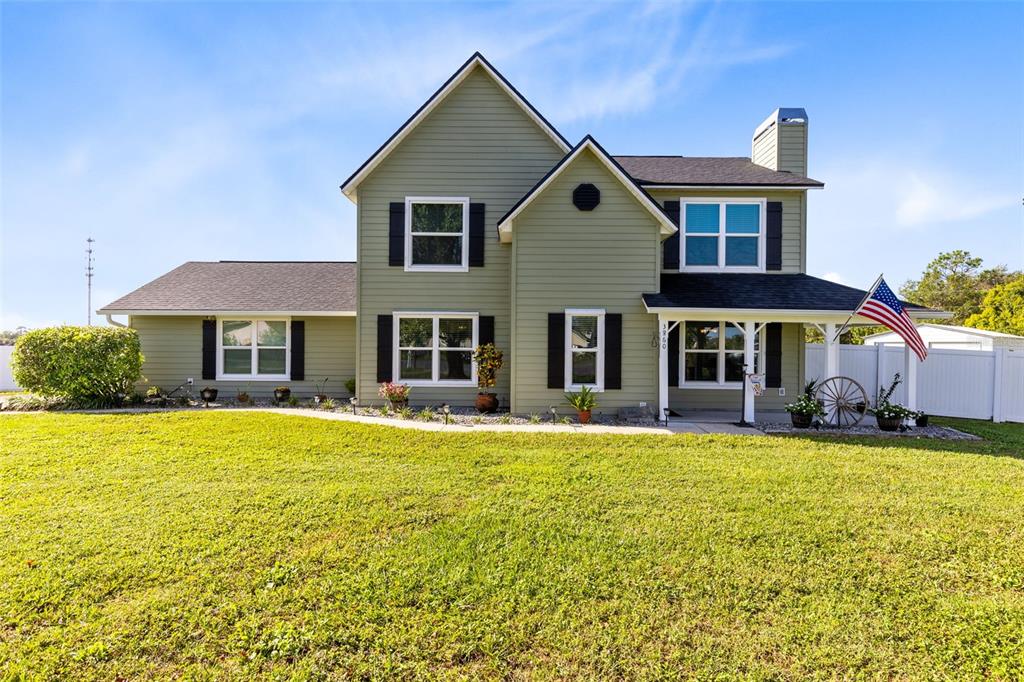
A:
(476, 60)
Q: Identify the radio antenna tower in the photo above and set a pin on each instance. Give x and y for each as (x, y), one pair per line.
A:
(89, 260)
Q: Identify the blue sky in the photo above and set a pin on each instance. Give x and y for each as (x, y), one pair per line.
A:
(189, 131)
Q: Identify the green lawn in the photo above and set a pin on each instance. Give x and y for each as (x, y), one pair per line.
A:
(224, 544)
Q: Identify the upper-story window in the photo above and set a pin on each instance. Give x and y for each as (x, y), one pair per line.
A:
(723, 235)
(437, 234)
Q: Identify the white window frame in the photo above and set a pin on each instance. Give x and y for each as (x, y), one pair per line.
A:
(759, 357)
(464, 265)
(254, 375)
(722, 203)
(435, 348)
(599, 351)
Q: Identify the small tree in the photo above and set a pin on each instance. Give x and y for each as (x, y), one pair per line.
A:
(90, 365)
(488, 363)
(1002, 310)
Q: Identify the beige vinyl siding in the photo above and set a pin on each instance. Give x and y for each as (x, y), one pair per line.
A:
(792, 148)
(782, 147)
(173, 348)
(685, 400)
(793, 212)
(567, 258)
(480, 144)
(765, 148)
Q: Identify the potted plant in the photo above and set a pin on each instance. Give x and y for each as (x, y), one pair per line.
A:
(208, 394)
(488, 361)
(803, 411)
(281, 394)
(888, 415)
(921, 419)
(396, 394)
(585, 401)
(243, 397)
(320, 396)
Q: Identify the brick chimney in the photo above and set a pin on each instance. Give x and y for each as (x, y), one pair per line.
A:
(780, 142)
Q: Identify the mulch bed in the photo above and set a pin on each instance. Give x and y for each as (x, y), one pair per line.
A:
(869, 429)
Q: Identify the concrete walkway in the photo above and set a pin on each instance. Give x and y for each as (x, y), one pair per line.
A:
(673, 427)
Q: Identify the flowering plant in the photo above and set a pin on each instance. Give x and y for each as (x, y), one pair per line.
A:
(393, 392)
(885, 408)
(488, 361)
(806, 405)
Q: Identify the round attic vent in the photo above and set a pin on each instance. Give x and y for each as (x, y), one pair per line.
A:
(586, 197)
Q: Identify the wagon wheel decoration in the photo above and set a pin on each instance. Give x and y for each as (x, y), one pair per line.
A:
(844, 400)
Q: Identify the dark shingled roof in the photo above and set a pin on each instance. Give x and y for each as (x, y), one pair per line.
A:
(242, 286)
(707, 170)
(755, 291)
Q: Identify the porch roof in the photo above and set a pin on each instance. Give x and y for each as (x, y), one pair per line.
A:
(762, 292)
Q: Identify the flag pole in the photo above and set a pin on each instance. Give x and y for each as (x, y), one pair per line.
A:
(866, 297)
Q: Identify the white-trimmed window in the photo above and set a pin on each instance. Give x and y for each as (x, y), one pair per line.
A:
(712, 354)
(584, 349)
(437, 234)
(435, 348)
(253, 349)
(722, 235)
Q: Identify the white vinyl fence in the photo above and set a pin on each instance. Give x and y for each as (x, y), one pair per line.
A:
(951, 383)
(6, 380)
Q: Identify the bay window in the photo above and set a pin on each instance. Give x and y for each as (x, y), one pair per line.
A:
(584, 349)
(437, 234)
(712, 354)
(253, 349)
(723, 234)
(435, 348)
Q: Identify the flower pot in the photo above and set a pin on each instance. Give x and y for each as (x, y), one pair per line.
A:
(208, 395)
(584, 416)
(319, 398)
(396, 405)
(921, 420)
(282, 394)
(486, 403)
(889, 423)
(801, 421)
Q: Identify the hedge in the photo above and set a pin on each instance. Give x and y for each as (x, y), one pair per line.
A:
(89, 365)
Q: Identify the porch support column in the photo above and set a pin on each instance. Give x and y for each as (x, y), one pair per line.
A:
(662, 367)
(749, 331)
(910, 376)
(831, 351)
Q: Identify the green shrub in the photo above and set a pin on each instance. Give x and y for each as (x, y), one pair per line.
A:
(88, 365)
(350, 385)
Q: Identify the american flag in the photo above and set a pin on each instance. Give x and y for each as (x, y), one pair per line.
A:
(882, 306)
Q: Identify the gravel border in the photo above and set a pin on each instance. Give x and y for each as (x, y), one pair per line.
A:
(870, 430)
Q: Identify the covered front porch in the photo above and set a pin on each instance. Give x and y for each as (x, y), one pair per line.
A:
(731, 346)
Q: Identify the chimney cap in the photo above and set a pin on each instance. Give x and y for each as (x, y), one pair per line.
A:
(783, 116)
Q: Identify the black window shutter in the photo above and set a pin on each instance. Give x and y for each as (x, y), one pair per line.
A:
(773, 240)
(476, 235)
(556, 350)
(298, 350)
(671, 245)
(396, 234)
(773, 355)
(485, 330)
(384, 341)
(673, 355)
(613, 351)
(209, 349)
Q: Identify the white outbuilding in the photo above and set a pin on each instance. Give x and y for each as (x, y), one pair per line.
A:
(952, 337)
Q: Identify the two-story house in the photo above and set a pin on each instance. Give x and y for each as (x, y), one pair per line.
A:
(660, 281)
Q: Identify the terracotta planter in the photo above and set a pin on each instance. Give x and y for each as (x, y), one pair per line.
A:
(282, 394)
(584, 416)
(889, 423)
(396, 405)
(801, 421)
(486, 403)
